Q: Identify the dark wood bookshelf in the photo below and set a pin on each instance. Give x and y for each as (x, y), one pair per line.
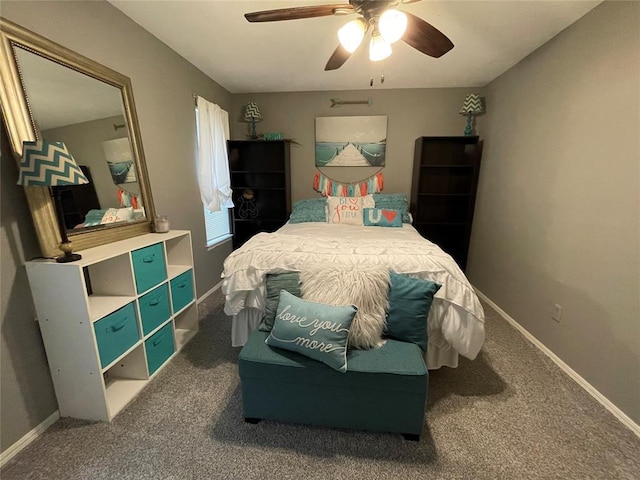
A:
(443, 191)
(263, 167)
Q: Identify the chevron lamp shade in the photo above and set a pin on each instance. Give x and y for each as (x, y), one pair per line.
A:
(472, 105)
(48, 164)
(252, 112)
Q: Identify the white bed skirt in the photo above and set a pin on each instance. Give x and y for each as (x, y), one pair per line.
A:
(248, 320)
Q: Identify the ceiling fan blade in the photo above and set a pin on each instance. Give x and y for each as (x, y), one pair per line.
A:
(295, 13)
(425, 38)
(338, 58)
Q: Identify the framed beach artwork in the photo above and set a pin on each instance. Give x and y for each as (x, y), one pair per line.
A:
(351, 141)
(120, 160)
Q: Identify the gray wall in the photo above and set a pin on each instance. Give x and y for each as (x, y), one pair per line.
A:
(26, 390)
(163, 83)
(558, 203)
(84, 141)
(410, 114)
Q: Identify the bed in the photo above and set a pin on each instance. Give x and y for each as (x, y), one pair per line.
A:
(456, 320)
(107, 216)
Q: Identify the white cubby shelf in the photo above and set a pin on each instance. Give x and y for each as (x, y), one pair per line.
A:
(91, 313)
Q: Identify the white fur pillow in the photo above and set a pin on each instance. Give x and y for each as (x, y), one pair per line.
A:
(365, 287)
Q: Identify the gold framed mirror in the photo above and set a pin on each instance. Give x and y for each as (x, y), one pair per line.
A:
(49, 92)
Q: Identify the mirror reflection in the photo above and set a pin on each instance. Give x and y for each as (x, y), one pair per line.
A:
(88, 116)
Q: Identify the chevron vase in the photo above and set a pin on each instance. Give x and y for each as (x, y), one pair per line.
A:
(48, 164)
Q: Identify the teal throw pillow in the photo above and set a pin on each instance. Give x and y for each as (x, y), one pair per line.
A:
(380, 217)
(393, 201)
(309, 210)
(315, 330)
(94, 217)
(289, 281)
(409, 304)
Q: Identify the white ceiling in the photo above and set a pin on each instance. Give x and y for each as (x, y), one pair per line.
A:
(284, 56)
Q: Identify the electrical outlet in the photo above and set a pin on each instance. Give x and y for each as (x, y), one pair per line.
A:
(557, 312)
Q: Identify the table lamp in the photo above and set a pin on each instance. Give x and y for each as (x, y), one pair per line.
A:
(252, 115)
(472, 106)
(49, 164)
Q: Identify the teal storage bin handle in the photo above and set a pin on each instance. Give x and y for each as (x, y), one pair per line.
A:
(148, 258)
(154, 302)
(159, 340)
(116, 328)
(181, 285)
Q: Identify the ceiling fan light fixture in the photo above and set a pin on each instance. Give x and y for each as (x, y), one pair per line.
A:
(392, 25)
(351, 34)
(379, 48)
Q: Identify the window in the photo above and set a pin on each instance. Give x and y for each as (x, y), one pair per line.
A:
(217, 225)
(212, 131)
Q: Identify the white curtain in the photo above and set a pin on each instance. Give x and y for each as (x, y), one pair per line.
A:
(213, 164)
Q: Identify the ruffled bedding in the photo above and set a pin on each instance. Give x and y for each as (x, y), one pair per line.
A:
(456, 319)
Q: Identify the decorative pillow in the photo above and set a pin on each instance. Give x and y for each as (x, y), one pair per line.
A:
(109, 215)
(288, 281)
(409, 304)
(366, 287)
(393, 201)
(309, 210)
(93, 217)
(112, 215)
(379, 217)
(348, 210)
(313, 329)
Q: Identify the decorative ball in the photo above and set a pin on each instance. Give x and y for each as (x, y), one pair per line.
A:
(247, 194)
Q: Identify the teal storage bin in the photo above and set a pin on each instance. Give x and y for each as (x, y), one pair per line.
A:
(149, 267)
(116, 333)
(159, 347)
(182, 290)
(154, 308)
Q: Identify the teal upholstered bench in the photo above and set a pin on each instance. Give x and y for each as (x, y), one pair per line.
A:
(384, 389)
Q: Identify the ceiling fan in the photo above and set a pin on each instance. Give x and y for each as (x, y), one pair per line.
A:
(379, 17)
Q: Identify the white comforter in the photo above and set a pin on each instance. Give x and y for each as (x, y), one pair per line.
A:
(456, 319)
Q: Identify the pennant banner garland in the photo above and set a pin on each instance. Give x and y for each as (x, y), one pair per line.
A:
(328, 187)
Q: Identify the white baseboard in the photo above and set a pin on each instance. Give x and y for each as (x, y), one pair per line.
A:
(210, 292)
(604, 401)
(14, 449)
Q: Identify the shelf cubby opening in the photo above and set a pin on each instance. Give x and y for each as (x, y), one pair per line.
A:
(125, 379)
(112, 276)
(445, 180)
(256, 156)
(440, 208)
(268, 203)
(257, 180)
(186, 325)
(179, 252)
(109, 285)
(447, 153)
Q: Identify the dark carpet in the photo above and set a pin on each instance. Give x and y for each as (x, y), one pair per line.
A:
(509, 414)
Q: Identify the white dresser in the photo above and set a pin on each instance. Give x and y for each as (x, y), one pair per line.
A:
(113, 319)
